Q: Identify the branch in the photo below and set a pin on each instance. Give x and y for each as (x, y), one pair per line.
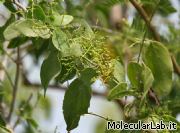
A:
(60, 87)
(156, 36)
(15, 88)
(7, 74)
(146, 18)
(175, 65)
(102, 117)
(22, 108)
(19, 5)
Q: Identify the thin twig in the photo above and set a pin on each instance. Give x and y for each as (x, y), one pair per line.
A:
(142, 43)
(146, 18)
(102, 117)
(14, 93)
(8, 55)
(7, 74)
(141, 46)
(175, 65)
(152, 95)
(60, 87)
(156, 36)
(22, 107)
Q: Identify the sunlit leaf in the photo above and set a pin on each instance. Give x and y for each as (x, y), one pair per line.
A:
(27, 27)
(61, 20)
(60, 40)
(118, 72)
(157, 58)
(11, 31)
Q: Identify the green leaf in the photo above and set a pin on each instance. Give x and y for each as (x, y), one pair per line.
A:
(60, 42)
(2, 122)
(33, 28)
(140, 77)
(61, 20)
(118, 72)
(11, 31)
(17, 42)
(88, 32)
(120, 91)
(166, 8)
(157, 58)
(168, 118)
(67, 72)
(9, 5)
(50, 68)
(32, 122)
(77, 98)
(134, 72)
(148, 79)
(2, 1)
(3, 129)
(27, 27)
(38, 13)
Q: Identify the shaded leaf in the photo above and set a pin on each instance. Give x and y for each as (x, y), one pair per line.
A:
(166, 8)
(77, 98)
(9, 5)
(39, 13)
(148, 79)
(50, 68)
(32, 122)
(17, 42)
(119, 91)
(67, 71)
(2, 122)
(135, 74)
(140, 77)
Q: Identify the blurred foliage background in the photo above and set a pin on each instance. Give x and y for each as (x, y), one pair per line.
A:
(119, 31)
